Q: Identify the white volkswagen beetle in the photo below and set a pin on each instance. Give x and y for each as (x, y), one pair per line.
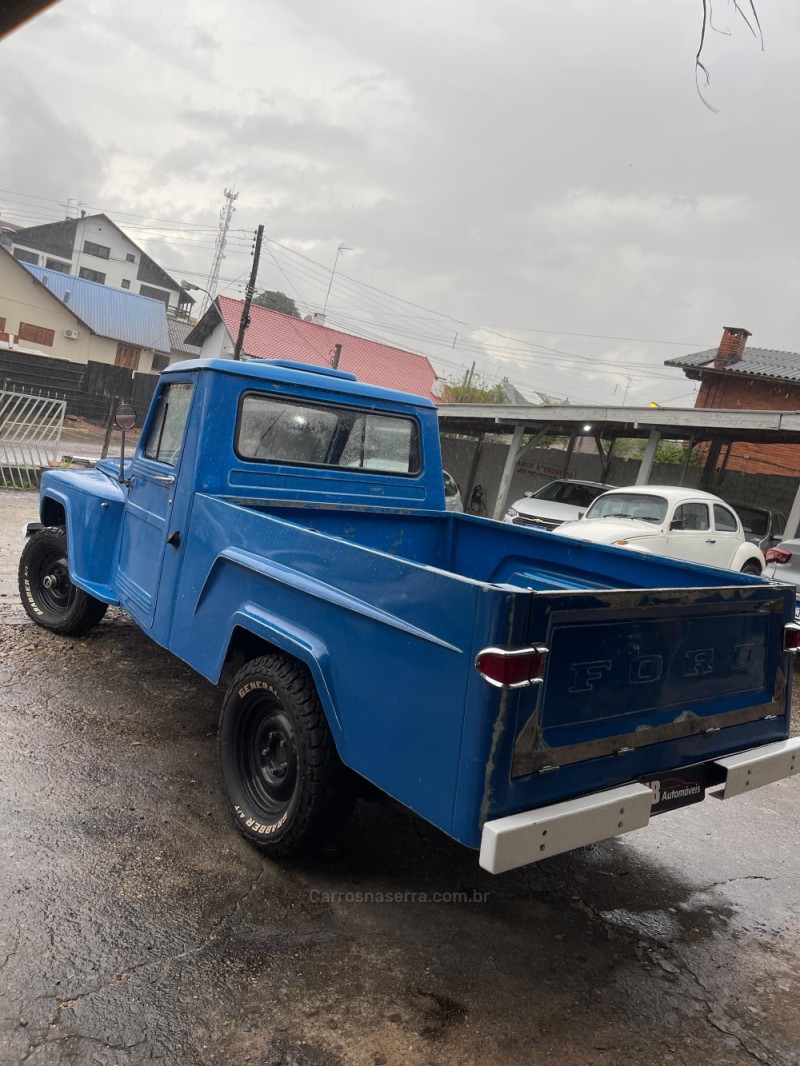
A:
(664, 520)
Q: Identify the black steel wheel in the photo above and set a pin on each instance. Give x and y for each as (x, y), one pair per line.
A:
(287, 789)
(45, 588)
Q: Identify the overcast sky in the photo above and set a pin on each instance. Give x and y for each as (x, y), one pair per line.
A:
(528, 173)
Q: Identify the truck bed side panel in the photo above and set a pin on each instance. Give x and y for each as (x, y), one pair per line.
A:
(392, 642)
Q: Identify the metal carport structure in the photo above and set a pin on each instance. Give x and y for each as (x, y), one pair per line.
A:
(606, 425)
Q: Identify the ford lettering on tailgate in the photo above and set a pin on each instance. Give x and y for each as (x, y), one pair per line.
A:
(610, 671)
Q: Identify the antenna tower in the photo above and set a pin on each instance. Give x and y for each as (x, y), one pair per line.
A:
(225, 216)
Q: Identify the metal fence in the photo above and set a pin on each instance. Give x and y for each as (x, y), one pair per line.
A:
(30, 435)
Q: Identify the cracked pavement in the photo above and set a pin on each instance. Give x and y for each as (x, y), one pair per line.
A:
(137, 926)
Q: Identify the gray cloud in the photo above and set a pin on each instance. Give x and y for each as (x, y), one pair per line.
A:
(524, 165)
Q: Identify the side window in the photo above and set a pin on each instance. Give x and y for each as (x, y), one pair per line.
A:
(691, 517)
(724, 520)
(778, 524)
(166, 433)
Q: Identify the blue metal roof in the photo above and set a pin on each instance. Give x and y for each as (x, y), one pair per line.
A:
(115, 313)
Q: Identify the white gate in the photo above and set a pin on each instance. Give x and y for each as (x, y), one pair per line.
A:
(30, 436)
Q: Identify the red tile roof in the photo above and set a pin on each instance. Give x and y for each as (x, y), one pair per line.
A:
(271, 335)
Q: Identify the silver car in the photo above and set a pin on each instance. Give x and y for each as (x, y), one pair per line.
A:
(564, 500)
(783, 564)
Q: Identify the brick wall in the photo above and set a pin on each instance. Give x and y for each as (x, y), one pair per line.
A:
(732, 391)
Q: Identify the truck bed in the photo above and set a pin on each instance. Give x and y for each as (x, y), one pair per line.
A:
(467, 547)
(390, 610)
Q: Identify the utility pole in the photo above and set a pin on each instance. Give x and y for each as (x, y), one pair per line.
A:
(244, 321)
(337, 351)
(225, 216)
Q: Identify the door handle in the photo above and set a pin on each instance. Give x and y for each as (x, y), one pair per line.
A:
(710, 541)
(164, 479)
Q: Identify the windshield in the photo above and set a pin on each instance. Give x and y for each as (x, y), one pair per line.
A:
(569, 492)
(629, 505)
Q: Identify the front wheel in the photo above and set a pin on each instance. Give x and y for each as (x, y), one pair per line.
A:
(287, 789)
(752, 567)
(47, 594)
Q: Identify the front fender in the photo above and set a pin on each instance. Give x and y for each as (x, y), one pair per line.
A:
(90, 506)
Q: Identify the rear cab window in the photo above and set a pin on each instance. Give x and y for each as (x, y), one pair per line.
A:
(274, 430)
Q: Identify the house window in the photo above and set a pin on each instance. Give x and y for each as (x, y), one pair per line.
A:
(127, 356)
(92, 275)
(37, 334)
(26, 257)
(99, 250)
(130, 257)
(160, 362)
(125, 283)
(2, 325)
(58, 264)
(154, 294)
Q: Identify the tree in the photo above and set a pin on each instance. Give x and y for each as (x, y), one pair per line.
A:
(277, 301)
(472, 389)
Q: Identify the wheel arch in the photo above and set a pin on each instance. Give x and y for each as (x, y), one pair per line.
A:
(52, 511)
(250, 637)
(748, 553)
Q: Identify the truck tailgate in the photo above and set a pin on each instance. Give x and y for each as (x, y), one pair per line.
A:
(627, 669)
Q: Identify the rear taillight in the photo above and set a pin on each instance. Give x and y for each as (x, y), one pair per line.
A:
(777, 555)
(512, 667)
(791, 637)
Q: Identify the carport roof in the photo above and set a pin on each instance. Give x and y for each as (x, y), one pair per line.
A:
(677, 423)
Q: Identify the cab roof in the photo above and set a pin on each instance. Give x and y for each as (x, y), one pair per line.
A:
(305, 374)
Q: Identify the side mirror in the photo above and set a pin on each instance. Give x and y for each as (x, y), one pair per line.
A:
(676, 523)
(125, 417)
(528, 494)
(580, 515)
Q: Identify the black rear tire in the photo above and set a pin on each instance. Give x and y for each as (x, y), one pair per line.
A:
(287, 789)
(47, 594)
(751, 567)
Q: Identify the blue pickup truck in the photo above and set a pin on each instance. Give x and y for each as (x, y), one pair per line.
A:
(284, 526)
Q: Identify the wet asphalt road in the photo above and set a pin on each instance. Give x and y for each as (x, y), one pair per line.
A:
(136, 926)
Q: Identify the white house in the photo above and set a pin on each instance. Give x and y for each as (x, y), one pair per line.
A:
(96, 249)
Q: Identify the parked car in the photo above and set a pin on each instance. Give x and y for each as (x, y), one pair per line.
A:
(783, 564)
(559, 501)
(762, 525)
(664, 520)
(452, 493)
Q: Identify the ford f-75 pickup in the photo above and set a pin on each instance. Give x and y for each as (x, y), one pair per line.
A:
(525, 693)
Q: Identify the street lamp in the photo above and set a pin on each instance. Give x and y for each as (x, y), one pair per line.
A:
(199, 288)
